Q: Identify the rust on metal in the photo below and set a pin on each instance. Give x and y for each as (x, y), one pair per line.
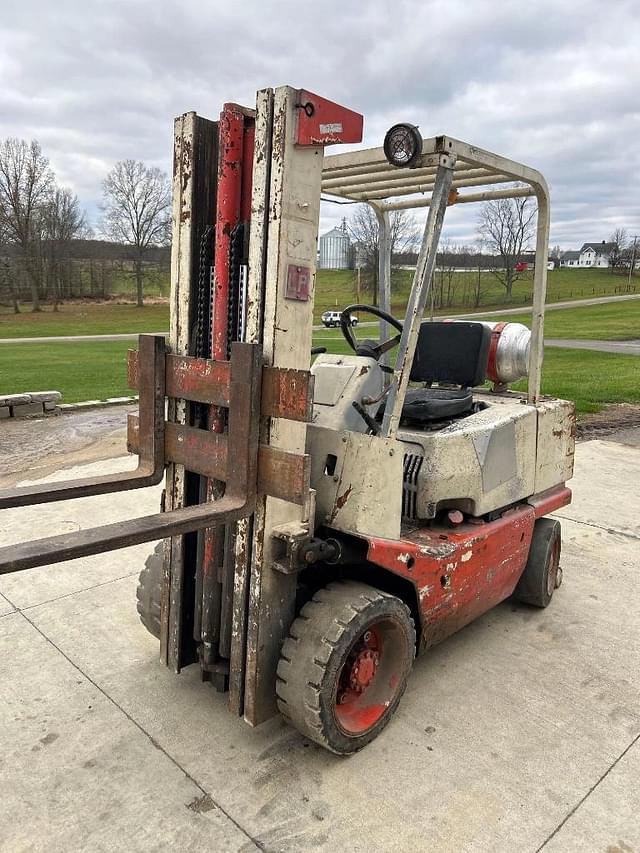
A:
(286, 392)
(281, 474)
(132, 368)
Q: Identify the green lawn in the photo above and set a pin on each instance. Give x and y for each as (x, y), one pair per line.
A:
(334, 290)
(590, 378)
(613, 321)
(81, 371)
(87, 318)
(90, 370)
(337, 288)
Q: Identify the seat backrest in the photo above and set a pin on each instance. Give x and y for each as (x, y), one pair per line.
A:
(455, 353)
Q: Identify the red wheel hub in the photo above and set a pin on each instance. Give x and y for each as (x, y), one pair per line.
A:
(363, 669)
(368, 681)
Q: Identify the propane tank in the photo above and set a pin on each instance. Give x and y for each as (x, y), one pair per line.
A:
(508, 352)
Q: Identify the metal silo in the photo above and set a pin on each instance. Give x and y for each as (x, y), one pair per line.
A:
(335, 249)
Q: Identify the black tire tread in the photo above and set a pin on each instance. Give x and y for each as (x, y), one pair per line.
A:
(531, 588)
(306, 652)
(149, 591)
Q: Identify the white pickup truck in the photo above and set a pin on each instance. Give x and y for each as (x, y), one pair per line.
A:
(331, 319)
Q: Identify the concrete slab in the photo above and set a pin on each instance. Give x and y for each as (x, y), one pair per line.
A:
(51, 582)
(78, 774)
(608, 819)
(5, 606)
(506, 730)
(503, 728)
(605, 487)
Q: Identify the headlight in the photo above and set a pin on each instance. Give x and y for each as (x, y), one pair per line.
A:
(402, 145)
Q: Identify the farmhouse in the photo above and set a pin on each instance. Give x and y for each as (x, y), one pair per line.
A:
(590, 255)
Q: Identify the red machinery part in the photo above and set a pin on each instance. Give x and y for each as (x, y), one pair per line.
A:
(493, 351)
(322, 122)
(460, 573)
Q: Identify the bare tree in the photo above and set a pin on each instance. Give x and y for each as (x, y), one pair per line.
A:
(444, 282)
(7, 279)
(482, 263)
(506, 228)
(61, 221)
(26, 182)
(137, 203)
(365, 232)
(619, 241)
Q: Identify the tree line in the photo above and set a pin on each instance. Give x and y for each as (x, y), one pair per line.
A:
(505, 237)
(40, 221)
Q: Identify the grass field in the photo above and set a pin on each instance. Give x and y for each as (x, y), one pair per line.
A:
(335, 289)
(613, 321)
(87, 318)
(81, 371)
(97, 370)
(90, 371)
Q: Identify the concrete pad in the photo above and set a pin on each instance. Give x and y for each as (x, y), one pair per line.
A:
(5, 606)
(606, 486)
(49, 582)
(505, 728)
(77, 774)
(609, 819)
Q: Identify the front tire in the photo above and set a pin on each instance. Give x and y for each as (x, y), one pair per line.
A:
(149, 591)
(542, 574)
(344, 667)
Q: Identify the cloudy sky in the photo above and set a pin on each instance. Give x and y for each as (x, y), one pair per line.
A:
(553, 83)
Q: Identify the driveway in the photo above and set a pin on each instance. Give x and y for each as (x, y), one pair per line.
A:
(520, 733)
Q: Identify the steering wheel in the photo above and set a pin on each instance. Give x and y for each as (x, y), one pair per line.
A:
(372, 349)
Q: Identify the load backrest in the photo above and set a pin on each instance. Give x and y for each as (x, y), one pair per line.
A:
(455, 353)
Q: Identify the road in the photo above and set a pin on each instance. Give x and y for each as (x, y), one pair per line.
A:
(520, 733)
(576, 303)
(622, 347)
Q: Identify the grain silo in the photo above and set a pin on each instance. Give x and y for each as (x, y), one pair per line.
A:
(335, 249)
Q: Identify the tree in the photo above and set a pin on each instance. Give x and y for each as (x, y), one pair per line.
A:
(365, 233)
(137, 203)
(61, 221)
(619, 241)
(506, 228)
(26, 183)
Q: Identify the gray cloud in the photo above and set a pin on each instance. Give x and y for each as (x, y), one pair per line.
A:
(551, 84)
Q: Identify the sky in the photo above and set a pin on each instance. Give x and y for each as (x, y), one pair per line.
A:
(554, 84)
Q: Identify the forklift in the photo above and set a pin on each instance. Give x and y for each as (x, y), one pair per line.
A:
(322, 524)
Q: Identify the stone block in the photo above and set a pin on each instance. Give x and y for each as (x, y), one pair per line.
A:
(49, 405)
(4, 412)
(44, 396)
(26, 409)
(15, 399)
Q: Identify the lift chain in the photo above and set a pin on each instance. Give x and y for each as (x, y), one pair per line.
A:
(236, 258)
(203, 296)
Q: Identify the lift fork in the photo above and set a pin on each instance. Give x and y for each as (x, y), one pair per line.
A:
(242, 386)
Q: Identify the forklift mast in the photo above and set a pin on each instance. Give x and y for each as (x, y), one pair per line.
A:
(246, 203)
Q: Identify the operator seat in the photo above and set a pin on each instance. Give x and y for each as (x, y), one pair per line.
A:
(450, 354)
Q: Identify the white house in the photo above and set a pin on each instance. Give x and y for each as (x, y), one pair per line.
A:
(590, 255)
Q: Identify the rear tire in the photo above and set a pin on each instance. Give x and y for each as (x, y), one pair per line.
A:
(542, 574)
(150, 589)
(344, 667)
